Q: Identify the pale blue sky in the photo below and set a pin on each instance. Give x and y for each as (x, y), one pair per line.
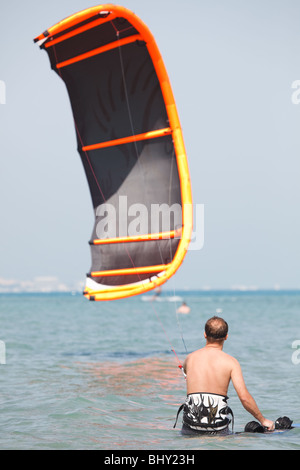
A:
(231, 64)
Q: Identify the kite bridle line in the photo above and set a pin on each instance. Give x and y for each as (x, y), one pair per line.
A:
(142, 174)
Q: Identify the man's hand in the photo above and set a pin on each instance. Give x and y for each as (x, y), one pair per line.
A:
(266, 423)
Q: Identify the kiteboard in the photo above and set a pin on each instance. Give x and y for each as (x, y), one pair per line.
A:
(131, 146)
(265, 433)
(282, 425)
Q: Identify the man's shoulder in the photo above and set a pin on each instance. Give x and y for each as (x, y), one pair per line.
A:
(226, 356)
(233, 360)
(193, 354)
(229, 356)
(196, 352)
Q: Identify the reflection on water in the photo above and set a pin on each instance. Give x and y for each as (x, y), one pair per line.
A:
(156, 374)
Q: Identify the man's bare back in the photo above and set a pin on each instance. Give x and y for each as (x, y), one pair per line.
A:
(209, 370)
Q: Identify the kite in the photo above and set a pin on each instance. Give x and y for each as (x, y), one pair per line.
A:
(131, 145)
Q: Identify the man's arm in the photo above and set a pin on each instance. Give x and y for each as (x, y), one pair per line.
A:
(185, 364)
(246, 398)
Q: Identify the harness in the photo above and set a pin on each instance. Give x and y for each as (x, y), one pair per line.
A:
(206, 412)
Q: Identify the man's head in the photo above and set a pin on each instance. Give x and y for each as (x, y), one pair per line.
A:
(216, 330)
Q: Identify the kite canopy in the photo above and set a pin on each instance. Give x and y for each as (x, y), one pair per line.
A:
(131, 146)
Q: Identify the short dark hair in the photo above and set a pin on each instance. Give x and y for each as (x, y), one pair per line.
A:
(216, 328)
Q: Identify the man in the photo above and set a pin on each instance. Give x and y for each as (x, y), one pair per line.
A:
(208, 374)
(184, 308)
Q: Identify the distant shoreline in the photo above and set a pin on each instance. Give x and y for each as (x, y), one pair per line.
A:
(179, 292)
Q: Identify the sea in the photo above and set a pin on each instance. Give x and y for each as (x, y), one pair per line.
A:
(81, 375)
